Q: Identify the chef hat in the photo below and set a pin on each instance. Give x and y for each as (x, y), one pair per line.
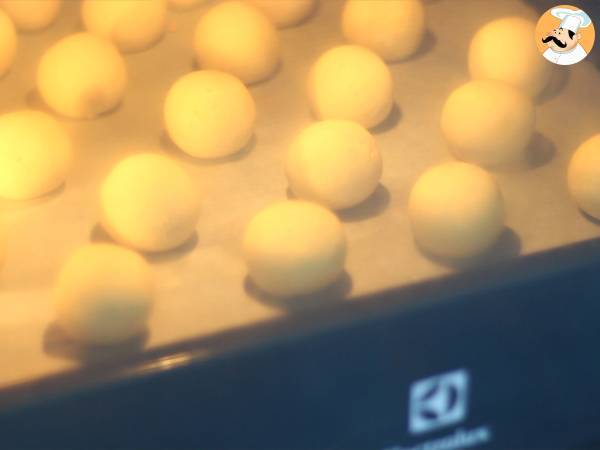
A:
(572, 19)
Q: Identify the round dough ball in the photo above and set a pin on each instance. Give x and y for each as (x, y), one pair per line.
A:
(392, 29)
(456, 210)
(209, 114)
(351, 82)
(236, 37)
(584, 176)
(77, 93)
(35, 155)
(104, 294)
(182, 5)
(334, 162)
(285, 13)
(32, 15)
(132, 25)
(488, 123)
(8, 43)
(148, 202)
(504, 50)
(294, 248)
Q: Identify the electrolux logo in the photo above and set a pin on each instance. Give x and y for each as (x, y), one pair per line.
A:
(438, 401)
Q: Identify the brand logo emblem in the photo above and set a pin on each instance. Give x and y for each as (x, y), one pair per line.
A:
(438, 401)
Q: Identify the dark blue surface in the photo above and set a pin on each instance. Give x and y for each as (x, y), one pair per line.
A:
(531, 351)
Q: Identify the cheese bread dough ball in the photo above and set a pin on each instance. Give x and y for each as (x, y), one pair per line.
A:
(285, 13)
(456, 210)
(77, 93)
(8, 43)
(150, 203)
(104, 294)
(334, 162)
(35, 155)
(32, 15)
(504, 50)
(392, 29)
(584, 176)
(236, 37)
(294, 248)
(351, 82)
(132, 25)
(209, 114)
(182, 5)
(488, 123)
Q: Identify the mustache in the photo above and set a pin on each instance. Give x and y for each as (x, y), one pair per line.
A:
(556, 41)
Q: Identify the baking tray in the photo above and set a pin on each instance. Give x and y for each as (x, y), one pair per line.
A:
(203, 290)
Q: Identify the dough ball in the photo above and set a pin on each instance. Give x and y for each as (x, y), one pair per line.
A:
(236, 37)
(351, 82)
(209, 114)
(8, 43)
(294, 248)
(456, 210)
(182, 5)
(35, 155)
(392, 29)
(334, 162)
(77, 93)
(148, 202)
(32, 15)
(584, 176)
(505, 50)
(488, 123)
(132, 25)
(104, 294)
(285, 13)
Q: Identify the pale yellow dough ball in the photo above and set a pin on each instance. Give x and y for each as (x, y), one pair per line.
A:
(183, 5)
(456, 210)
(488, 123)
(209, 114)
(237, 37)
(149, 203)
(505, 50)
(353, 83)
(104, 294)
(32, 15)
(392, 29)
(132, 25)
(8, 43)
(285, 13)
(584, 176)
(335, 163)
(294, 248)
(77, 93)
(35, 155)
